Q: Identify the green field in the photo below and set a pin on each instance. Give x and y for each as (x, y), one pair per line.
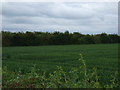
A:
(102, 56)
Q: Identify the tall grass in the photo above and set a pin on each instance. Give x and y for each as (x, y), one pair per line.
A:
(79, 77)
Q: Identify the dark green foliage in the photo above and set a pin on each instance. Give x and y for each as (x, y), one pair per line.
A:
(55, 38)
(104, 38)
(6, 56)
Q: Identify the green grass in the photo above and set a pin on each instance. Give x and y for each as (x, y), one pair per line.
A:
(78, 77)
(102, 56)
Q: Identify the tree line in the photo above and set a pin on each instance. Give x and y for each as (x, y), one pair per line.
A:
(55, 38)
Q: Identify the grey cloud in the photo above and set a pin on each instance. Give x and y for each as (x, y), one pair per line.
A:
(17, 9)
(43, 9)
(84, 17)
(51, 28)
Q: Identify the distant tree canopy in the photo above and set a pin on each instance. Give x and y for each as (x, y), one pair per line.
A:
(55, 38)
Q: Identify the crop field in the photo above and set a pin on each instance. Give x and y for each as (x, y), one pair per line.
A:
(45, 58)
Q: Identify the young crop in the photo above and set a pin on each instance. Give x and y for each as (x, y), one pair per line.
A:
(79, 77)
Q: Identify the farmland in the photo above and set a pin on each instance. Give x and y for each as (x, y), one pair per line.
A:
(45, 58)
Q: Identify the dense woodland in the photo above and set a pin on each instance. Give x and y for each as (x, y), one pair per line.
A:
(55, 38)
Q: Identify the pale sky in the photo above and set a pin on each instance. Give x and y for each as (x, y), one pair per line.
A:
(83, 17)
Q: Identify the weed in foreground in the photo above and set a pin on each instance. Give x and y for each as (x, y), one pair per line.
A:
(78, 77)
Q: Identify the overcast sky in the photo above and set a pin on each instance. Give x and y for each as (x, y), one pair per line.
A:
(87, 18)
